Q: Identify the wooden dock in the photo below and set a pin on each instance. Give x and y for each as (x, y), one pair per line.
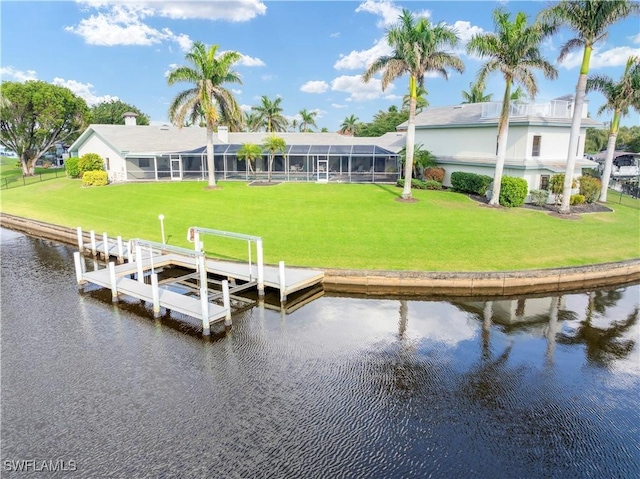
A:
(201, 298)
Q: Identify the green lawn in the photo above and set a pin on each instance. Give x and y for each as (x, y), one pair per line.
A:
(339, 225)
(11, 173)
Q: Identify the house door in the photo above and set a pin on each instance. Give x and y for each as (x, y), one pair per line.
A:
(322, 169)
(176, 168)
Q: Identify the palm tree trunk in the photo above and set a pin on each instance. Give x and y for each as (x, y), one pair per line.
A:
(270, 165)
(581, 90)
(411, 139)
(608, 161)
(503, 133)
(210, 168)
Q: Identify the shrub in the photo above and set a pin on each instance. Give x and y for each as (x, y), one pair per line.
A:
(576, 200)
(470, 182)
(433, 185)
(90, 162)
(434, 173)
(513, 191)
(556, 185)
(539, 197)
(415, 183)
(71, 166)
(590, 188)
(95, 178)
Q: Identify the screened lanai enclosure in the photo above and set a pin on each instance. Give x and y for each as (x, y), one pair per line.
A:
(323, 163)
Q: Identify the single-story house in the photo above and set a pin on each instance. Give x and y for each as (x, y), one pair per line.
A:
(464, 138)
(152, 153)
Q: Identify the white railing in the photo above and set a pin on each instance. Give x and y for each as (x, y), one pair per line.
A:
(551, 109)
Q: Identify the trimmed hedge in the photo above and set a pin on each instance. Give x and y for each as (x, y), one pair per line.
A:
(513, 191)
(71, 166)
(435, 174)
(95, 178)
(90, 162)
(576, 200)
(470, 182)
(590, 188)
(421, 185)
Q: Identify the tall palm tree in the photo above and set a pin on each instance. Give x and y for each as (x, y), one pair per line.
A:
(514, 51)
(418, 47)
(252, 121)
(308, 118)
(518, 95)
(249, 153)
(207, 98)
(270, 114)
(475, 94)
(294, 124)
(421, 100)
(348, 126)
(273, 144)
(620, 96)
(589, 19)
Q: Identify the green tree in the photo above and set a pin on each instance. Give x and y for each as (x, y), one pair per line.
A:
(421, 100)
(589, 19)
(514, 51)
(35, 115)
(596, 140)
(207, 98)
(422, 159)
(418, 48)
(270, 114)
(518, 95)
(383, 122)
(252, 121)
(308, 118)
(349, 125)
(110, 113)
(619, 96)
(250, 153)
(629, 138)
(273, 144)
(475, 94)
(294, 125)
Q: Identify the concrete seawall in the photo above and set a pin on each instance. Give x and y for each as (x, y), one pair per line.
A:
(421, 283)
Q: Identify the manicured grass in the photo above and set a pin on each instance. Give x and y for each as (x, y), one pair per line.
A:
(11, 173)
(339, 225)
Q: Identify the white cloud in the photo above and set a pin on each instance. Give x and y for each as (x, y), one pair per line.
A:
(232, 10)
(315, 86)
(319, 113)
(388, 12)
(268, 77)
(336, 105)
(357, 89)
(236, 91)
(123, 24)
(18, 75)
(635, 38)
(393, 97)
(357, 60)
(172, 66)
(465, 31)
(248, 61)
(334, 35)
(245, 107)
(83, 90)
(613, 57)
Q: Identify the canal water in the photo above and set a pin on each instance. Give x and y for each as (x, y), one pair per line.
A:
(341, 387)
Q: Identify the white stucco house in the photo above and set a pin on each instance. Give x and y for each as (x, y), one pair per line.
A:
(464, 138)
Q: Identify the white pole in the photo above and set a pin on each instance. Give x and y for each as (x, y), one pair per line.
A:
(80, 239)
(260, 268)
(204, 296)
(120, 250)
(155, 293)
(161, 218)
(226, 302)
(112, 277)
(105, 246)
(139, 263)
(196, 240)
(283, 284)
(77, 261)
(93, 242)
(250, 273)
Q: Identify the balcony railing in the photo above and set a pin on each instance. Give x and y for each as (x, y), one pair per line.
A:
(550, 109)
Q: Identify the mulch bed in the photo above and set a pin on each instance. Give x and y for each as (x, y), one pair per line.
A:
(553, 210)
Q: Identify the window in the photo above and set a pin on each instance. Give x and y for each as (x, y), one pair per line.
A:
(535, 151)
(143, 162)
(544, 182)
(108, 165)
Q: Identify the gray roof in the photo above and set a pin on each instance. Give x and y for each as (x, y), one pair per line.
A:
(169, 139)
(470, 114)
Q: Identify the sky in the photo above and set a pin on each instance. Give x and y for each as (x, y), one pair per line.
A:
(310, 53)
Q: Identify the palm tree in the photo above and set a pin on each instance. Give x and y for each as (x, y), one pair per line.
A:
(294, 124)
(273, 144)
(421, 100)
(308, 119)
(252, 121)
(518, 95)
(250, 153)
(207, 73)
(348, 126)
(620, 96)
(514, 51)
(589, 19)
(270, 114)
(418, 47)
(475, 94)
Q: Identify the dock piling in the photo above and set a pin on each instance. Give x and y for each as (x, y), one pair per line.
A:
(260, 261)
(155, 292)
(120, 250)
(93, 242)
(139, 263)
(283, 284)
(79, 270)
(226, 303)
(112, 280)
(80, 239)
(105, 246)
(204, 295)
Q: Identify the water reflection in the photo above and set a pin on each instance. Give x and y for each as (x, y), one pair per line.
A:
(337, 387)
